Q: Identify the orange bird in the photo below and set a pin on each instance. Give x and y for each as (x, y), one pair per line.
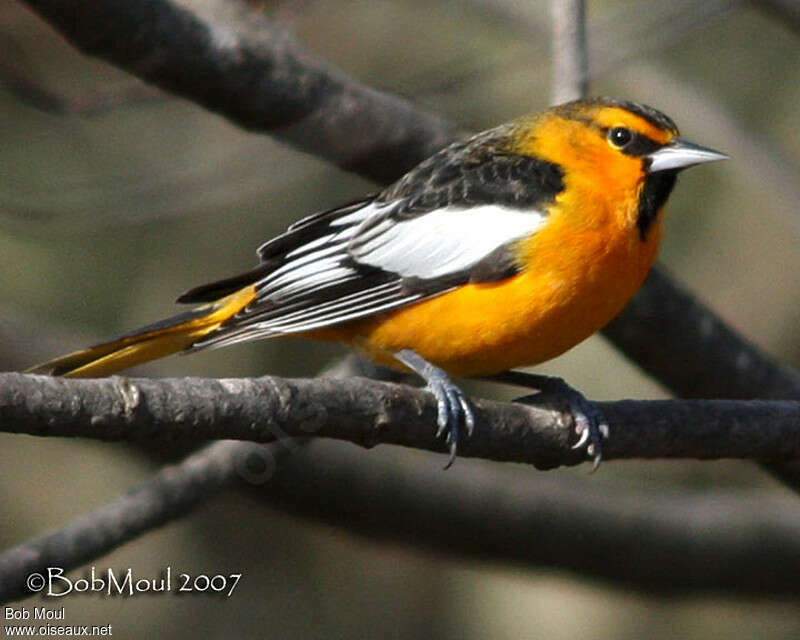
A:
(499, 251)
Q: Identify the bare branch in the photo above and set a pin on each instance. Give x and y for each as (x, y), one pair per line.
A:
(570, 59)
(720, 542)
(723, 541)
(683, 344)
(367, 412)
(170, 494)
(230, 60)
(787, 11)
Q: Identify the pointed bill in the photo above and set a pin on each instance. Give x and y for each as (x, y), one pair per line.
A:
(680, 154)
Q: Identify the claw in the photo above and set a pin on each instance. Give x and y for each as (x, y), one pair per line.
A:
(469, 416)
(452, 457)
(584, 437)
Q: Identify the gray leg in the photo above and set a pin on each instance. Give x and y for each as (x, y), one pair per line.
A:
(590, 424)
(453, 406)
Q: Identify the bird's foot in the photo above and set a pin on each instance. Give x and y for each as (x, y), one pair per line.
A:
(591, 427)
(454, 410)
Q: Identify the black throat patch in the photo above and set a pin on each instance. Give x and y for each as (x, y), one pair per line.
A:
(656, 190)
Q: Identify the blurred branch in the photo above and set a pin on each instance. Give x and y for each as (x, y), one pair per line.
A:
(787, 11)
(570, 58)
(367, 412)
(173, 492)
(735, 542)
(684, 345)
(230, 60)
(41, 98)
(621, 36)
(719, 542)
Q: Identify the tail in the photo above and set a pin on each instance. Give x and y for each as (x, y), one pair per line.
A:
(148, 343)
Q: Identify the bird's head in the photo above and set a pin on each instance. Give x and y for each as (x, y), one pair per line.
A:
(613, 147)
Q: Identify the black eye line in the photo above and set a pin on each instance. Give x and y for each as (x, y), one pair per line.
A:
(639, 144)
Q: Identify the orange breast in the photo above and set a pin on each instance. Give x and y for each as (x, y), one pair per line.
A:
(580, 270)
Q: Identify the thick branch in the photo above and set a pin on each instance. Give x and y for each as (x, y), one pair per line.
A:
(368, 412)
(228, 59)
(686, 346)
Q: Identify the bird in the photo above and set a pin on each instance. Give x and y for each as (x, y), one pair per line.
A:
(502, 250)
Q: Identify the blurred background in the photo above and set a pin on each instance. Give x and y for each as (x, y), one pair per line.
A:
(115, 198)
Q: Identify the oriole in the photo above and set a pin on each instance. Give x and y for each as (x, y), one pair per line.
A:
(502, 250)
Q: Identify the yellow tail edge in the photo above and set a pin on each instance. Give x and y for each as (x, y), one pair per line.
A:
(148, 343)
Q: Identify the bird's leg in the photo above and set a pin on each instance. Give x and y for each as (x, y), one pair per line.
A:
(453, 406)
(590, 424)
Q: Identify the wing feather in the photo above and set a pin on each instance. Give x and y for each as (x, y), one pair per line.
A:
(442, 242)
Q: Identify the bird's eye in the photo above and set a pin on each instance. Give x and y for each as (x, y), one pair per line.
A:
(620, 136)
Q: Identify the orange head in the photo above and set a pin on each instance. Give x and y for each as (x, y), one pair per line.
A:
(612, 148)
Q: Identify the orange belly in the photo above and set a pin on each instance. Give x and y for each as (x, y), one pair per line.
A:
(568, 290)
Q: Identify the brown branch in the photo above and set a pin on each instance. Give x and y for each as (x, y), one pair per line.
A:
(173, 492)
(720, 541)
(368, 412)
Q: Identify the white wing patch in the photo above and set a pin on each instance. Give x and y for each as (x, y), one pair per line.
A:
(441, 242)
(319, 283)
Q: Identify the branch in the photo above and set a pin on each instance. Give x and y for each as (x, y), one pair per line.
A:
(686, 346)
(718, 542)
(570, 58)
(173, 492)
(368, 412)
(232, 61)
(786, 11)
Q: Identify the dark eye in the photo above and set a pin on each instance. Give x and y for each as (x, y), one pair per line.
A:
(620, 136)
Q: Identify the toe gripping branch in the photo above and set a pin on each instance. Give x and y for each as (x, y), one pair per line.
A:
(454, 408)
(591, 427)
(455, 412)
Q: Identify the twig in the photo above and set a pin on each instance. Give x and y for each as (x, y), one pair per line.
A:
(570, 61)
(170, 494)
